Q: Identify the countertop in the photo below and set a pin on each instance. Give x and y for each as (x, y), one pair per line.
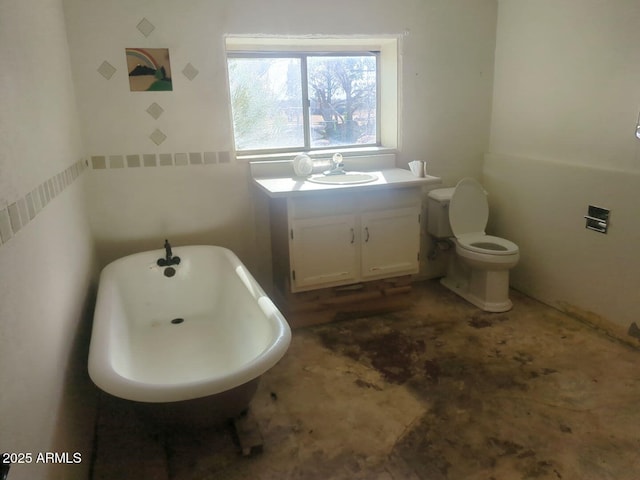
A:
(276, 187)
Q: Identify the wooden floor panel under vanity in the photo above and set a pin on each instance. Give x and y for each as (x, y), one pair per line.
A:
(331, 304)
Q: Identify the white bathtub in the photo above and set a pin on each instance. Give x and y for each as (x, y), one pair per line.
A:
(229, 335)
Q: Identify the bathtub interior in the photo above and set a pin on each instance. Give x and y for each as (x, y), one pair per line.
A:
(209, 319)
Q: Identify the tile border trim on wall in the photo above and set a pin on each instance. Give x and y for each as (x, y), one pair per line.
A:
(18, 214)
(181, 159)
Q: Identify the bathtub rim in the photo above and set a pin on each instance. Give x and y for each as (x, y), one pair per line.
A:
(107, 378)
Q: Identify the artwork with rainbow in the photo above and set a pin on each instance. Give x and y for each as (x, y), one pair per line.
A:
(149, 69)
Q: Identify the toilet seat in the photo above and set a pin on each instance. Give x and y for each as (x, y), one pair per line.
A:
(487, 244)
(468, 216)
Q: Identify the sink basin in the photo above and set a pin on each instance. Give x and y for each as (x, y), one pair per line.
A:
(348, 178)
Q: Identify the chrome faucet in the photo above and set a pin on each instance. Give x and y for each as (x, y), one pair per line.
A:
(169, 258)
(338, 165)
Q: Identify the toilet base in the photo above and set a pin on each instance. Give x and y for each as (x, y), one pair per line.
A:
(454, 286)
(486, 289)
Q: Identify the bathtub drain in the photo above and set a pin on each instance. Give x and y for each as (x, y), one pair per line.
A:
(176, 321)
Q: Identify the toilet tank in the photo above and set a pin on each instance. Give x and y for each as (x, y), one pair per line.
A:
(438, 212)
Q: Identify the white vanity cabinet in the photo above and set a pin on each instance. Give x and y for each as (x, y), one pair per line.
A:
(340, 238)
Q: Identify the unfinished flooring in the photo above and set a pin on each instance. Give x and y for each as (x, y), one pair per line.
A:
(438, 391)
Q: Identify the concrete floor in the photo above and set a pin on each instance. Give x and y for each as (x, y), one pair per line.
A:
(440, 391)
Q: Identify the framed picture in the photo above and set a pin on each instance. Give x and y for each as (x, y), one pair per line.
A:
(149, 69)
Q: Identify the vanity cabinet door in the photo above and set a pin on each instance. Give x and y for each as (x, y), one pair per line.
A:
(390, 242)
(323, 252)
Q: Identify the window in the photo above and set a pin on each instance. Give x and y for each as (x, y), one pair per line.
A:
(291, 95)
(303, 101)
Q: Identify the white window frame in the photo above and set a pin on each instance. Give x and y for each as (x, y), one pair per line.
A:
(388, 78)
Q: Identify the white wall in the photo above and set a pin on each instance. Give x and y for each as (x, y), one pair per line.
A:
(46, 259)
(565, 105)
(447, 68)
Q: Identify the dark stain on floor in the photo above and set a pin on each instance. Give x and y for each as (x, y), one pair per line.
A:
(459, 381)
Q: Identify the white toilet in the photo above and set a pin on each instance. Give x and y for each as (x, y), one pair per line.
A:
(479, 272)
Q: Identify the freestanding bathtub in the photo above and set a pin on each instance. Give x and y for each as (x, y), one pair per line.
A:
(190, 345)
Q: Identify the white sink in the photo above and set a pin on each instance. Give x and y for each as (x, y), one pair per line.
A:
(348, 178)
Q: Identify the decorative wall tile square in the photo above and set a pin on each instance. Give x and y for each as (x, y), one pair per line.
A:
(24, 214)
(99, 162)
(190, 71)
(106, 70)
(14, 217)
(47, 192)
(42, 195)
(35, 195)
(224, 157)
(149, 159)
(210, 157)
(195, 158)
(31, 207)
(155, 110)
(145, 27)
(5, 226)
(133, 161)
(181, 159)
(116, 161)
(166, 160)
(157, 136)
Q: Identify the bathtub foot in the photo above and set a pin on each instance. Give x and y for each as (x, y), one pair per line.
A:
(248, 434)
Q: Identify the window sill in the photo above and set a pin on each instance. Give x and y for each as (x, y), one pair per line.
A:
(365, 159)
(318, 154)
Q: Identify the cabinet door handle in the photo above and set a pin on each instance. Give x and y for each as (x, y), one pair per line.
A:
(353, 236)
(366, 230)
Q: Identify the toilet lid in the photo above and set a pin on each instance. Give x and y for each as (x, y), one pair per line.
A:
(468, 209)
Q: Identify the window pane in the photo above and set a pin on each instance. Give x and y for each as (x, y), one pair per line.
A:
(266, 103)
(342, 92)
